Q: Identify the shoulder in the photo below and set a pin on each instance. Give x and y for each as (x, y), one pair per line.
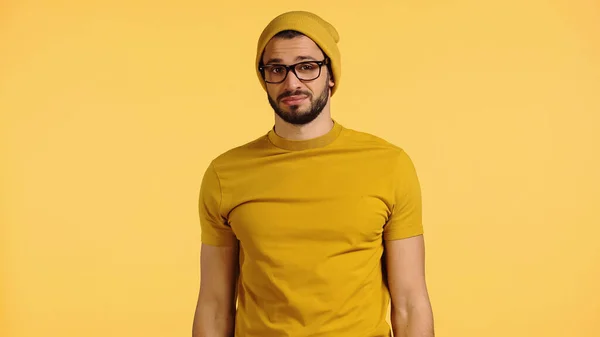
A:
(373, 146)
(358, 138)
(241, 153)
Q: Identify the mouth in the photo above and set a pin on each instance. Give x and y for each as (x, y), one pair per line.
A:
(293, 100)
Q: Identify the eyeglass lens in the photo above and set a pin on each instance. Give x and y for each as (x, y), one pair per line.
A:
(304, 71)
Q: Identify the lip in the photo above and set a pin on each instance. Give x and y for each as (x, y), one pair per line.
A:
(293, 100)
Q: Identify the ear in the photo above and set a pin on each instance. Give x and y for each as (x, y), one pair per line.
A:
(330, 81)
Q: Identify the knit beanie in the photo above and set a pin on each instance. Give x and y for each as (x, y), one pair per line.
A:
(311, 25)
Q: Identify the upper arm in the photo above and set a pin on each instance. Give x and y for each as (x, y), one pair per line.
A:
(406, 215)
(215, 230)
(218, 277)
(405, 263)
(220, 248)
(215, 310)
(403, 236)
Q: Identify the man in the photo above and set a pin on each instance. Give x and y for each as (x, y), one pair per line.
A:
(312, 228)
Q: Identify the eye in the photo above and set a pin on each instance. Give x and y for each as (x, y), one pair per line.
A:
(276, 69)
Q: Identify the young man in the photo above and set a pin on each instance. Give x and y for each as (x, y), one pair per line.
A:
(311, 229)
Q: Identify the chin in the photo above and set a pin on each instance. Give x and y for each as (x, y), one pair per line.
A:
(293, 109)
(296, 110)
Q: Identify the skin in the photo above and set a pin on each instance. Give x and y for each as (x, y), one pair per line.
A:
(289, 51)
(215, 310)
(411, 314)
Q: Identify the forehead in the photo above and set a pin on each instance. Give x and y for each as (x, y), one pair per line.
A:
(280, 50)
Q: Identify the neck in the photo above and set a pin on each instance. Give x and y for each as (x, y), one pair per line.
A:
(317, 128)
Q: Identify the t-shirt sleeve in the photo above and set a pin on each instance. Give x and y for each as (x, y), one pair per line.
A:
(215, 230)
(406, 218)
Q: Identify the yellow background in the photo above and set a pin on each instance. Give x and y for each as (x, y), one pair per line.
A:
(111, 111)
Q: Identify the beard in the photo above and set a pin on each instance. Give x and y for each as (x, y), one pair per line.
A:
(295, 116)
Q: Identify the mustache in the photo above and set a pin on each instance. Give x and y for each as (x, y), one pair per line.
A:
(293, 93)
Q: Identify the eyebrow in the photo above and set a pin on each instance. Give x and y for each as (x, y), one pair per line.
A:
(298, 59)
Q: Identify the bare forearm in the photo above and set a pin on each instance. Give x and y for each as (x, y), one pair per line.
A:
(415, 321)
(208, 324)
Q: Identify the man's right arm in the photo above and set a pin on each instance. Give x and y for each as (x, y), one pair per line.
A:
(216, 307)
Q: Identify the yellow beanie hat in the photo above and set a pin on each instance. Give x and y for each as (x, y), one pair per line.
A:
(311, 25)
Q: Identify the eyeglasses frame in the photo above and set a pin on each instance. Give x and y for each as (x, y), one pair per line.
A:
(292, 68)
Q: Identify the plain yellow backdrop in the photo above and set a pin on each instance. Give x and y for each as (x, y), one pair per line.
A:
(111, 111)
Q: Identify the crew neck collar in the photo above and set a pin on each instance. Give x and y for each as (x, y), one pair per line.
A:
(313, 143)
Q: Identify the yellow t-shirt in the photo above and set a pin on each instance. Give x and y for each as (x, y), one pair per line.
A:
(310, 217)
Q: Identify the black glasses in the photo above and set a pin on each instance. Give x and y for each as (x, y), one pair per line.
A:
(304, 71)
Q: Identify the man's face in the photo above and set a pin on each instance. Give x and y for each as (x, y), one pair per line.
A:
(297, 101)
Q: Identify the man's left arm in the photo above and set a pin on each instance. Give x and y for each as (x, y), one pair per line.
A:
(411, 314)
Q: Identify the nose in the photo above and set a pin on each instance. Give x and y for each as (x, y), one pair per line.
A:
(292, 82)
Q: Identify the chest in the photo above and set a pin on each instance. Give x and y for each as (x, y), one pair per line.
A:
(284, 208)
